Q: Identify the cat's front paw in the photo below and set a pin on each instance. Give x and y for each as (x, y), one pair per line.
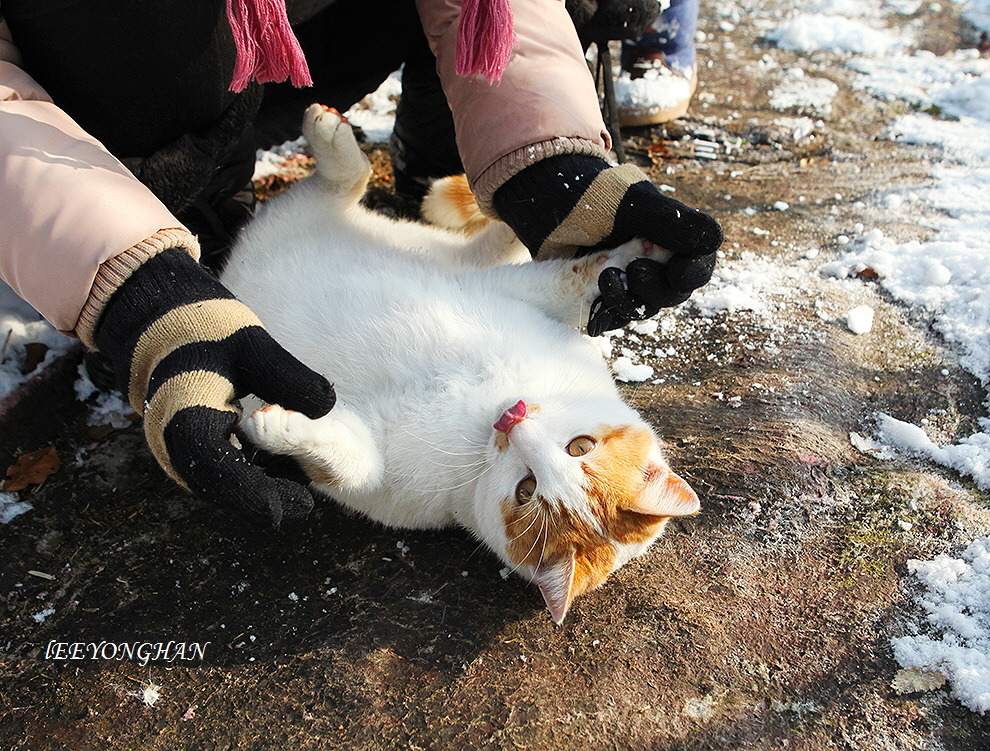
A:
(278, 430)
(621, 256)
(337, 450)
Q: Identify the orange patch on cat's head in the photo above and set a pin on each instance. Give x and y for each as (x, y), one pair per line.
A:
(541, 532)
(568, 555)
(631, 495)
(619, 474)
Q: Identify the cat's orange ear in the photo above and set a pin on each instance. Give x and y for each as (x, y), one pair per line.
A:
(556, 583)
(665, 494)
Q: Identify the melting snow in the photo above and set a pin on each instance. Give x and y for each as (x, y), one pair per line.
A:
(955, 642)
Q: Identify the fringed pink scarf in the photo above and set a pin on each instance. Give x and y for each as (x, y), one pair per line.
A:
(267, 50)
(485, 39)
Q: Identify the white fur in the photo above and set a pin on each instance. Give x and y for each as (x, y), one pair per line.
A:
(427, 341)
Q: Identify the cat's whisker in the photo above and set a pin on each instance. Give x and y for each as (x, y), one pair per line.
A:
(536, 516)
(574, 399)
(480, 546)
(466, 465)
(448, 488)
(444, 451)
(472, 443)
(561, 383)
(545, 534)
(475, 461)
(543, 527)
(396, 473)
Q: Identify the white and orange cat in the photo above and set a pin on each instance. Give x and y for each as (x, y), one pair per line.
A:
(466, 394)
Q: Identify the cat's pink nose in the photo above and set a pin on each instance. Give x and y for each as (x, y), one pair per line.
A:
(511, 417)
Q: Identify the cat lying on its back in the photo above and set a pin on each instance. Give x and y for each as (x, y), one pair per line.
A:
(465, 393)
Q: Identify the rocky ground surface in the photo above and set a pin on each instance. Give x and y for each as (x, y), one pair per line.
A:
(765, 622)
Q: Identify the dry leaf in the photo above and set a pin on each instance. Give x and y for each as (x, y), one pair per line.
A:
(911, 680)
(31, 469)
(34, 353)
(867, 273)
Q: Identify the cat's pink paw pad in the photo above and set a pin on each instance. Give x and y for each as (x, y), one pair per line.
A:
(335, 112)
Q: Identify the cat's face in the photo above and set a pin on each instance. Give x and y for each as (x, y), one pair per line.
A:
(574, 494)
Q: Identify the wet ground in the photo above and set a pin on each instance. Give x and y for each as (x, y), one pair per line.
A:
(764, 622)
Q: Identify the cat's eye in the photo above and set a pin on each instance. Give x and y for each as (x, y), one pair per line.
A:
(526, 489)
(581, 445)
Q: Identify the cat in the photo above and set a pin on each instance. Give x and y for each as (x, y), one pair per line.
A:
(466, 393)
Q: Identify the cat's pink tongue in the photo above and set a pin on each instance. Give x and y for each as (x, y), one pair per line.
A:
(511, 416)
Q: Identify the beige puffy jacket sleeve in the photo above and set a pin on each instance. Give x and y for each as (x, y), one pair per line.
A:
(74, 222)
(546, 103)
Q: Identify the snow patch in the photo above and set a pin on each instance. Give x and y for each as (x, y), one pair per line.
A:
(798, 91)
(268, 162)
(21, 325)
(375, 114)
(956, 641)
(11, 508)
(970, 456)
(859, 320)
(808, 32)
(977, 12)
(108, 408)
(629, 372)
(41, 615)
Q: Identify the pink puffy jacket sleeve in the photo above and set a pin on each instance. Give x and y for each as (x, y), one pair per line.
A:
(74, 222)
(546, 103)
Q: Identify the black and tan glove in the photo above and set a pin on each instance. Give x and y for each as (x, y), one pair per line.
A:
(184, 351)
(571, 205)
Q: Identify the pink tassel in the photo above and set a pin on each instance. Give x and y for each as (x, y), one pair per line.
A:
(267, 50)
(485, 39)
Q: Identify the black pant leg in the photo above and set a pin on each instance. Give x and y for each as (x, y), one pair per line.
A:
(422, 143)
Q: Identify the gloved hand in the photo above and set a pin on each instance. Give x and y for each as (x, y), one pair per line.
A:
(572, 204)
(597, 20)
(184, 350)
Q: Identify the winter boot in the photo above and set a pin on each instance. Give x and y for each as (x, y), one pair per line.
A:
(659, 74)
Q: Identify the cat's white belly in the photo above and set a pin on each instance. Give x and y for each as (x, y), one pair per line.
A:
(384, 326)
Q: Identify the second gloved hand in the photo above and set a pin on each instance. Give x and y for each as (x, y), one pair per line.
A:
(184, 350)
(571, 205)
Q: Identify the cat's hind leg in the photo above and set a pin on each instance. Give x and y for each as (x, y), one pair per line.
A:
(339, 159)
(451, 204)
(336, 450)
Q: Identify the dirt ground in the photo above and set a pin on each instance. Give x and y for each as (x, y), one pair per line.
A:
(765, 622)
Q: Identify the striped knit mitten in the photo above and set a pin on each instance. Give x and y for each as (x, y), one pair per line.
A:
(572, 204)
(184, 350)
